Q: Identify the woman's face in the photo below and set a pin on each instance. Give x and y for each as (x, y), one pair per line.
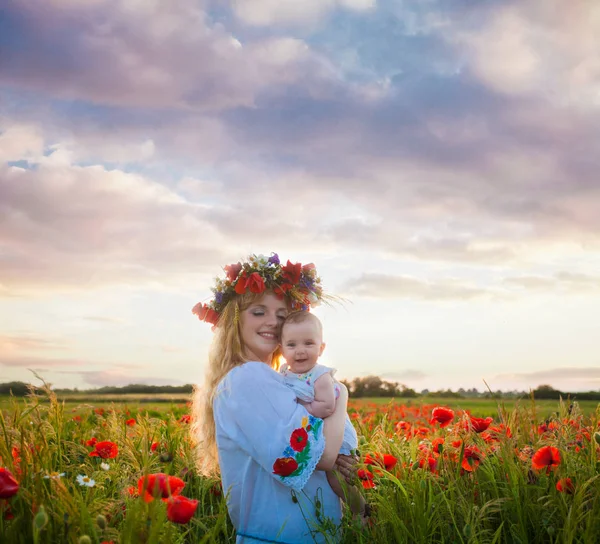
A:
(260, 324)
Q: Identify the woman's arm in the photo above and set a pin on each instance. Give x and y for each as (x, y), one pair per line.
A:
(333, 430)
(323, 404)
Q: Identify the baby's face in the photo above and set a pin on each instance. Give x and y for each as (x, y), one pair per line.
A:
(302, 345)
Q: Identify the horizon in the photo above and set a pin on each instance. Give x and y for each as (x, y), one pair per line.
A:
(436, 161)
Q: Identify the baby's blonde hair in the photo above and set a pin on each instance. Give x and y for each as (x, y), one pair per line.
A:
(302, 316)
(226, 352)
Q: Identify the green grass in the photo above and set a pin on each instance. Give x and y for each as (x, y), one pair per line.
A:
(485, 407)
(496, 496)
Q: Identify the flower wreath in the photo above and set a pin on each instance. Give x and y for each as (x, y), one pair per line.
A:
(299, 283)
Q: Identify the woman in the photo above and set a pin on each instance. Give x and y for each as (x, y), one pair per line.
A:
(271, 452)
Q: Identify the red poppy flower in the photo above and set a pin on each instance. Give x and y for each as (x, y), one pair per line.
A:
(281, 290)
(159, 485)
(16, 455)
(366, 478)
(130, 422)
(255, 283)
(441, 415)
(91, 442)
(547, 457)
(386, 460)
(292, 272)
(233, 270)
(480, 424)
(154, 446)
(8, 485)
(299, 439)
(185, 418)
(205, 313)
(284, 466)
(471, 457)
(429, 462)
(565, 485)
(242, 282)
(105, 450)
(437, 445)
(181, 509)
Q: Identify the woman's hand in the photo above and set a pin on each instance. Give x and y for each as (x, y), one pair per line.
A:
(346, 465)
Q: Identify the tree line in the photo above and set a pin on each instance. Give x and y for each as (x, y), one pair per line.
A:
(368, 386)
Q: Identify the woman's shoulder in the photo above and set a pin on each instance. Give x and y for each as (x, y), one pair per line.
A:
(247, 373)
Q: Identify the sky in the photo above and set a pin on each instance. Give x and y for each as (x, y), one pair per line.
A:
(438, 161)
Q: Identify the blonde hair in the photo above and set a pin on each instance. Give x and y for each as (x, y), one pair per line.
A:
(226, 352)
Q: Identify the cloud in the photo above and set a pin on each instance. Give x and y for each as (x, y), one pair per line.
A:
(79, 227)
(533, 48)
(386, 286)
(293, 12)
(560, 281)
(39, 363)
(556, 376)
(407, 375)
(118, 378)
(20, 142)
(144, 55)
(105, 319)
(10, 344)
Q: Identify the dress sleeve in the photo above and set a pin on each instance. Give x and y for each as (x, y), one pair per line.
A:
(260, 414)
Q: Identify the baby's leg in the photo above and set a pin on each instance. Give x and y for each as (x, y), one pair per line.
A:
(350, 494)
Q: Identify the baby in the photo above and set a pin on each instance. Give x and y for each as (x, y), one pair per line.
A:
(302, 345)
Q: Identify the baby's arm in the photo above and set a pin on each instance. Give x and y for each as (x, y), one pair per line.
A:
(324, 403)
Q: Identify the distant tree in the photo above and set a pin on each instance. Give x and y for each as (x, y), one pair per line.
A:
(547, 392)
(18, 389)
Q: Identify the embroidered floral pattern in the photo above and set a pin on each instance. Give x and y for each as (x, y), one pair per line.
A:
(297, 455)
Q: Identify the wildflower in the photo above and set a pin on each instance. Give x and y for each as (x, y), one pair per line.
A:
(104, 466)
(54, 476)
(472, 455)
(186, 418)
(565, 485)
(91, 442)
(181, 509)
(105, 450)
(8, 485)
(547, 457)
(159, 485)
(132, 491)
(430, 463)
(130, 422)
(441, 415)
(86, 481)
(366, 478)
(386, 460)
(480, 424)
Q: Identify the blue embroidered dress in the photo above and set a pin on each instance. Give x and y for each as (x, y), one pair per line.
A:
(303, 386)
(269, 446)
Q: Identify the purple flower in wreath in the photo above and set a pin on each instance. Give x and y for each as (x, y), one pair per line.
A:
(274, 259)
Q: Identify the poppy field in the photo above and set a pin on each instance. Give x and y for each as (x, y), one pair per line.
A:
(124, 473)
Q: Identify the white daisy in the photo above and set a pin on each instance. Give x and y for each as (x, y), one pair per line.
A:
(104, 466)
(85, 480)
